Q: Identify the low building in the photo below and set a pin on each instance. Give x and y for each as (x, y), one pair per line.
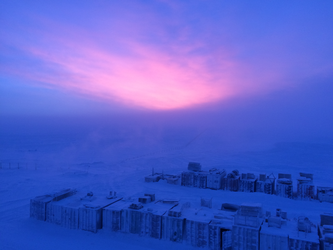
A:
(284, 186)
(153, 178)
(325, 194)
(174, 179)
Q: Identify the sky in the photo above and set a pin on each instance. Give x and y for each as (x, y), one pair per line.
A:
(264, 67)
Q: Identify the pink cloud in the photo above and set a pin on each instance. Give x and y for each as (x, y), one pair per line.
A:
(141, 63)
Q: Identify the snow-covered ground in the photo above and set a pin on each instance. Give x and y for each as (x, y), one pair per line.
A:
(35, 165)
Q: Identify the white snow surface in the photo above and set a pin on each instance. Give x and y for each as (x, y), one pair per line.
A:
(33, 166)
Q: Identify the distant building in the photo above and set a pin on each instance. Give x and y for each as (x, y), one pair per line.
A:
(194, 177)
(247, 183)
(305, 187)
(284, 186)
(325, 194)
(214, 178)
(194, 166)
(175, 179)
(266, 184)
(231, 181)
(152, 178)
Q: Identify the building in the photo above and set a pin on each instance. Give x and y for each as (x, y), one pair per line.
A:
(305, 187)
(304, 235)
(197, 222)
(173, 223)
(143, 217)
(247, 183)
(220, 234)
(112, 216)
(284, 186)
(266, 184)
(153, 177)
(38, 204)
(247, 223)
(174, 179)
(194, 176)
(231, 181)
(214, 178)
(194, 166)
(79, 211)
(326, 231)
(200, 179)
(274, 234)
(325, 194)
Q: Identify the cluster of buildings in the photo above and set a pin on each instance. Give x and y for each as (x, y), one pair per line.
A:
(247, 182)
(231, 227)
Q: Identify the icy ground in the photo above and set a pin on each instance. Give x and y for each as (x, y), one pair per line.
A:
(32, 166)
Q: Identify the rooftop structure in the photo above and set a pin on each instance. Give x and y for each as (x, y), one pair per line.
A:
(194, 166)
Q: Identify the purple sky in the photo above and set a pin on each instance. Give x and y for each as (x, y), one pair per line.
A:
(254, 64)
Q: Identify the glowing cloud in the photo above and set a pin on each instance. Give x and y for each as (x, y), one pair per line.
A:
(155, 56)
